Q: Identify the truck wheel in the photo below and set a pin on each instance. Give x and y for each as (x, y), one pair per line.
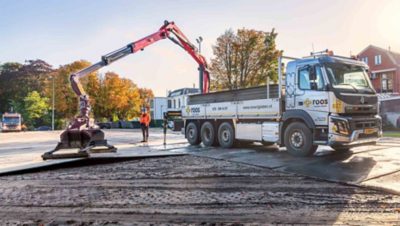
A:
(298, 140)
(226, 135)
(192, 134)
(207, 134)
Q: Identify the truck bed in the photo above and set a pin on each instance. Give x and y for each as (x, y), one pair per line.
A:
(249, 103)
(253, 93)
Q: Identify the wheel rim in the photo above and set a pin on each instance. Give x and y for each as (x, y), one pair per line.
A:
(207, 134)
(191, 133)
(297, 139)
(225, 135)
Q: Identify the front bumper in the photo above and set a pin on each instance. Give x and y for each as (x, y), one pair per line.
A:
(359, 131)
(357, 137)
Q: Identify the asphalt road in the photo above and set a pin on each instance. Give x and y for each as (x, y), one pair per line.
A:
(207, 186)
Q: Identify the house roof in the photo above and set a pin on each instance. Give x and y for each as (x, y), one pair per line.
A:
(394, 56)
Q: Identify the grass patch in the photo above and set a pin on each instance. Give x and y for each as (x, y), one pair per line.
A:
(391, 134)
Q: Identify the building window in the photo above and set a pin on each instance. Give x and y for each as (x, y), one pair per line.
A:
(169, 104)
(364, 59)
(387, 83)
(378, 59)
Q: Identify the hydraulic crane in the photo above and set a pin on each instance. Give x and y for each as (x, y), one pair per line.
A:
(85, 136)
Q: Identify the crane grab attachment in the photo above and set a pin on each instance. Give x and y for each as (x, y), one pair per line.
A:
(84, 135)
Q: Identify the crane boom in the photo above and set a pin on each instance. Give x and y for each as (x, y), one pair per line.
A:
(168, 30)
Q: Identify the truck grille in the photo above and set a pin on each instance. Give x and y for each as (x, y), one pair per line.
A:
(363, 125)
(365, 136)
(357, 125)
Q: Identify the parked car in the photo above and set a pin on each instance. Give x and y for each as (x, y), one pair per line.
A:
(43, 128)
(135, 124)
(104, 125)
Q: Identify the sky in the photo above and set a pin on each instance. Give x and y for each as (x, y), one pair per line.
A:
(61, 32)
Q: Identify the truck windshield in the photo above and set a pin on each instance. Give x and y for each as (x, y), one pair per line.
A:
(346, 76)
(11, 120)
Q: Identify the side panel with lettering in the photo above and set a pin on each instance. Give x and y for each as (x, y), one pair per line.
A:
(264, 108)
(194, 111)
(221, 110)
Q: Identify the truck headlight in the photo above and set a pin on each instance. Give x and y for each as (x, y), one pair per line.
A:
(340, 126)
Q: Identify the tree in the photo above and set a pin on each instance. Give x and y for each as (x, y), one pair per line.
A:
(17, 80)
(8, 86)
(145, 96)
(35, 109)
(34, 75)
(119, 97)
(244, 59)
(66, 101)
(110, 96)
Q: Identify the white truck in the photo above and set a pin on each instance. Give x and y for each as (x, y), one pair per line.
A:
(11, 122)
(177, 100)
(320, 100)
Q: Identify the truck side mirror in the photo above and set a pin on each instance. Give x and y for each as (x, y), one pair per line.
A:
(313, 75)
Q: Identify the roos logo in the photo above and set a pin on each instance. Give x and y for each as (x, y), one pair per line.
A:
(307, 103)
(193, 110)
(316, 103)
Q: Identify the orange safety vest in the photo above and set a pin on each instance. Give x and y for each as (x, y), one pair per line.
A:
(145, 119)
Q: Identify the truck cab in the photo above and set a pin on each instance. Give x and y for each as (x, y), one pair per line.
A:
(319, 100)
(332, 96)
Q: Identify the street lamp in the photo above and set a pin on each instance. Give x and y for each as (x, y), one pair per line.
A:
(52, 107)
(199, 40)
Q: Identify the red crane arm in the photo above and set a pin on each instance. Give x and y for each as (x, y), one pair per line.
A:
(168, 30)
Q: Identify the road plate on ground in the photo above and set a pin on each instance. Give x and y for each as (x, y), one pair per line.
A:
(368, 165)
(32, 160)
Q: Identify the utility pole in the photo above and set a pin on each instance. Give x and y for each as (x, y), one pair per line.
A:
(52, 108)
(199, 40)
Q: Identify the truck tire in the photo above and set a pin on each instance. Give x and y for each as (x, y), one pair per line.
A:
(226, 135)
(207, 134)
(298, 140)
(192, 134)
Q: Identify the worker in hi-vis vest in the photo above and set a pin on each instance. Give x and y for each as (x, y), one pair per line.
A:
(144, 124)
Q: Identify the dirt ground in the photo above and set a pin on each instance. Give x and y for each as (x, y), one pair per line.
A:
(189, 190)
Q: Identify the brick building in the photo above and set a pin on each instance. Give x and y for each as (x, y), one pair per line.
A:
(384, 68)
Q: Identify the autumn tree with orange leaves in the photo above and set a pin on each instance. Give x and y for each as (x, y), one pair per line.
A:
(145, 96)
(117, 98)
(111, 97)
